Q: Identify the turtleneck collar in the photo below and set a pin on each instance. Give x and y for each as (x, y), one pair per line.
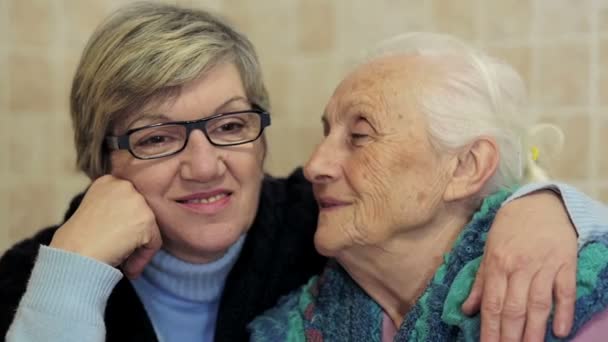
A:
(190, 282)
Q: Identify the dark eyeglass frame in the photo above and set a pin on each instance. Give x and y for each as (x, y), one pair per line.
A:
(121, 142)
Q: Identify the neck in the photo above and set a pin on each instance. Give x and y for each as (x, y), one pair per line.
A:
(396, 272)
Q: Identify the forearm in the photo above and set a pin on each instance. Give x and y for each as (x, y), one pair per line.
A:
(589, 217)
(65, 299)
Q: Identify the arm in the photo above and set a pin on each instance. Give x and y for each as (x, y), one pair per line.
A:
(532, 249)
(65, 299)
(588, 216)
(113, 226)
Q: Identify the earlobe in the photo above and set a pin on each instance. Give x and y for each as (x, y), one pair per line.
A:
(472, 169)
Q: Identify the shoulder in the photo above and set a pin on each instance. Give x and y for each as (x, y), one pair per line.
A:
(287, 318)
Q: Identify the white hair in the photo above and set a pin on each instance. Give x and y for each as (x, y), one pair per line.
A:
(477, 95)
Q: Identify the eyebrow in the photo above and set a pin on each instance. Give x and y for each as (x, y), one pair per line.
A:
(163, 117)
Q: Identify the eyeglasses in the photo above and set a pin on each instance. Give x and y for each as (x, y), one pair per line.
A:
(169, 138)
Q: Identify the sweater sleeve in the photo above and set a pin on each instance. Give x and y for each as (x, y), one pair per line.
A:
(65, 299)
(589, 217)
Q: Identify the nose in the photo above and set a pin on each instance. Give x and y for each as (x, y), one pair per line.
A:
(324, 165)
(200, 160)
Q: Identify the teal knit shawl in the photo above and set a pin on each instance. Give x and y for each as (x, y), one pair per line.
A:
(332, 307)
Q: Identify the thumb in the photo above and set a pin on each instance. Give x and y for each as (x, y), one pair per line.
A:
(473, 303)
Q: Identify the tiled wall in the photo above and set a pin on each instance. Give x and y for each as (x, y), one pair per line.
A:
(560, 46)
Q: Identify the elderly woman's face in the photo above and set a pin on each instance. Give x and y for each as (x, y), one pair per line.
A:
(204, 197)
(375, 174)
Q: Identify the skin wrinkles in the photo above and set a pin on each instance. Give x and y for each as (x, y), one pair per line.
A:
(396, 145)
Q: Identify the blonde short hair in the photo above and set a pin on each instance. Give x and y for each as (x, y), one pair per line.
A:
(145, 52)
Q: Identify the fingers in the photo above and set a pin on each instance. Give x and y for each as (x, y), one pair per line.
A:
(492, 303)
(137, 261)
(473, 303)
(513, 318)
(539, 303)
(565, 297)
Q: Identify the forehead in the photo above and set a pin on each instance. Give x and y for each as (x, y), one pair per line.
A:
(220, 88)
(387, 85)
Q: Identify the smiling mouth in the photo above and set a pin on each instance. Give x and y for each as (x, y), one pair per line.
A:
(331, 205)
(205, 200)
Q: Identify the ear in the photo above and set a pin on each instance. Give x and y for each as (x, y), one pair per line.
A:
(472, 168)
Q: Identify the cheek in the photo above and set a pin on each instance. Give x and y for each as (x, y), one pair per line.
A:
(150, 178)
(368, 173)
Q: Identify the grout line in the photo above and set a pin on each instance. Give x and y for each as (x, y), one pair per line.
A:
(594, 83)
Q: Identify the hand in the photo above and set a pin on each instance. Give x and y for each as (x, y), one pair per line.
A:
(114, 225)
(530, 257)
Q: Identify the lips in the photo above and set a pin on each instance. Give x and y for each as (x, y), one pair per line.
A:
(207, 203)
(330, 203)
(204, 197)
(205, 200)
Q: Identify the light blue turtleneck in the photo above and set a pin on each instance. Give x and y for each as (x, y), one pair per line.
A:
(67, 295)
(182, 299)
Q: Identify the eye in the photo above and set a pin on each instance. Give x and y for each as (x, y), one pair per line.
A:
(230, 127)
(358, 136)
(359, 139)
(361, 132)
(154, 140)
(325, 127)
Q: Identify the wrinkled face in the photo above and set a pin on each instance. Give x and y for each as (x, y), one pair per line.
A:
(375, 174)
(204, 197)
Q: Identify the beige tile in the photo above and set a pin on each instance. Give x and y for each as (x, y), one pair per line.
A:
(602, 15)
(31, 22)
(603, 71)
(602, 148)
(519, 57)
(358, 26)
(66, 188)
(31, 207)
(32, 147)
(506, 20)
(279, 78)
(4, 24)
(270, 25)
(3, 86)
(572, 163)
(70, 62)
(290, 146)
(5, 242)
(402, 16)
(563, 75)
(5, 131)
(64, 157)
(315, 81)
(215, 6)
(562, 17)
(316, 25)
(456, 17)
(603, 197)
(30, 83)
(80, 18)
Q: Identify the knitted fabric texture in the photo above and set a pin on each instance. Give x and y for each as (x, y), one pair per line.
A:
(332, 307)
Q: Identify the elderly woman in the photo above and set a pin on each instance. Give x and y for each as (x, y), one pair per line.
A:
(422, 145)
(169, 110)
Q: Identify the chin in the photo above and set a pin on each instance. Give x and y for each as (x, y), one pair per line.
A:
(203, 248)
(326, 245)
